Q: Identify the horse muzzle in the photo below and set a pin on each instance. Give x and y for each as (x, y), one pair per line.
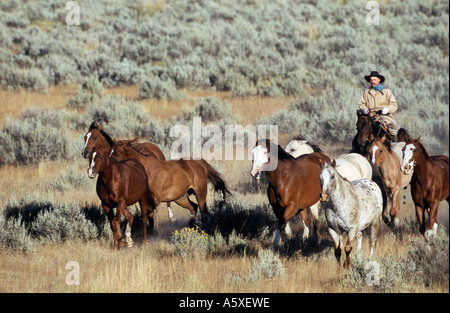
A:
(407, 168)
(92, 173)
(323, 197)
(255, 174)
(85, 153)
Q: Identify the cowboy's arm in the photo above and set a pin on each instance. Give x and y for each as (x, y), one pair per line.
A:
(362, 104)
(392, 103)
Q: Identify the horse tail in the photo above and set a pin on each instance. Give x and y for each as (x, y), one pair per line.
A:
(215, 179)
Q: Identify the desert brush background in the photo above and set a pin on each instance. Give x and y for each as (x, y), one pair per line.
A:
(142, 67)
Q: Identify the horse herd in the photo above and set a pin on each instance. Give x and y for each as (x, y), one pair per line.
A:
(356, 190)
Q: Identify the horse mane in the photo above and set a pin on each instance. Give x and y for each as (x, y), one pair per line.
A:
(108, 138)
(387, 143)
(312, 145)
(282, 155)
(403, 135)
(425, 152)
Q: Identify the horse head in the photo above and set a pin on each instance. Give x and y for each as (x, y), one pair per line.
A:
(409, 158)
(95, 137)
(327, 178)
(364, 130)
(378, 149)
(260, 156)
(265, 157)
(98, 160)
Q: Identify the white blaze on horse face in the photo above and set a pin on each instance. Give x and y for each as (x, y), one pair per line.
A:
(260, 157)
(325, 180)
(90, 171)
(407, 165)
(374, 150)
(87, 139)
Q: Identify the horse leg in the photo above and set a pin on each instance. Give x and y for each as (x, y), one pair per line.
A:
(288, 213)
(337, 245)
(395, 202)
(172, 218)
(143, 203)
(110, 214)
(304, 214)
(420, 218)
(129, 218)
(200, 194)
(432, 223)
(373, 236)
(116, 224)
(348, 247)
(188, 204)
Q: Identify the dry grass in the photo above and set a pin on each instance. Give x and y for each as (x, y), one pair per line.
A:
(156, 267)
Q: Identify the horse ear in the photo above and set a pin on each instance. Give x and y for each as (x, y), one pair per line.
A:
(333, 163)
(133, 141)
(100, 126)
(418, 139)
(321, 163)
(383, 139)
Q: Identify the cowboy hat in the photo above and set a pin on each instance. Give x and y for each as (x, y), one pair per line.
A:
(374, 73)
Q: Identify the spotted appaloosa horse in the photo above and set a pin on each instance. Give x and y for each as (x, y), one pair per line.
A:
(351, 207)
(121, 184)
(429, 183)
(293, 185)
(350, 165)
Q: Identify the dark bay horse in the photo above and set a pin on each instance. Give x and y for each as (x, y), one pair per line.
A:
(429, 183)
(174, 180)
(293, 186)
(97, 137)
(121, 184)
(368, 129)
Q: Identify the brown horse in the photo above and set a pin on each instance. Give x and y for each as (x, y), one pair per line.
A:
(121, 184)
(388, 156)
(174, 179)
(97, 137)
(429, 184)
(294, 184)
(368, 129)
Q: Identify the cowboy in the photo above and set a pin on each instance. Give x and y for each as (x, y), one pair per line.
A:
(379, 103)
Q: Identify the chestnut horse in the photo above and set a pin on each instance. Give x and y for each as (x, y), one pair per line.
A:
(429, 184)
(121, 184)
(97, 137)
(174, 179)
(293, 185)
(388, 156)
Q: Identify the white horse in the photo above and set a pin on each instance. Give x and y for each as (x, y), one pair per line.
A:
(351, 207)
(351, 166)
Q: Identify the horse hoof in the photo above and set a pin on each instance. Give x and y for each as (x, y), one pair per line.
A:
(145, 242)
(129, 244)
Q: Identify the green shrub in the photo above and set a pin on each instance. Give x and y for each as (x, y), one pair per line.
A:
(35, 136)
(61, 223)
(14, 236)
(28, 79)
(154, 87)
(267, 266)
(190, 241)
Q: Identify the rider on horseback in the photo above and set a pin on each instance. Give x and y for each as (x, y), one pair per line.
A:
(379, 103)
